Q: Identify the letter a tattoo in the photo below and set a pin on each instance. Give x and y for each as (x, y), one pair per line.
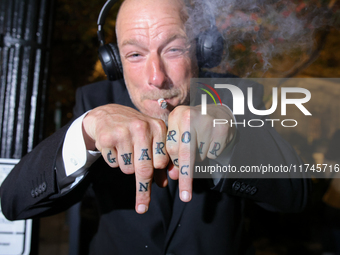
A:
(144, 154)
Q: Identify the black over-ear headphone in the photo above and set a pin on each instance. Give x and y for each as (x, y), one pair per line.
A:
(209, 48)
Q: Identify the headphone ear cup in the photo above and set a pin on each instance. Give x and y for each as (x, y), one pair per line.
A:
(209, 48)
(111, 63)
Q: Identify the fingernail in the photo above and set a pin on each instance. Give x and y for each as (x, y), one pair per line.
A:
(185, 196)
(142, 208)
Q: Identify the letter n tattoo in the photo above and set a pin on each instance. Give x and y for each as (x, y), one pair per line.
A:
(142, 187)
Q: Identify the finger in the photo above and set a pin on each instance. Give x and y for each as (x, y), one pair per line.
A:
(187, 150)
(202, 149)
(110, 156)
(215, 150)
(173, 170)
(125, 158)
(144, 173)
(172, 148)
(160, 155)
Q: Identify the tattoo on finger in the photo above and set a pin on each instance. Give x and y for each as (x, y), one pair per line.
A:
(127, 158)
(171, 135)
(111, 160)
(200, 149)
(216, 147)
(144, 154)
(143, 187)
(159, 148)
(186, 137)
(183, 171)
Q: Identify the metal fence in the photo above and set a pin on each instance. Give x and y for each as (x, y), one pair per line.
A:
(25, 30)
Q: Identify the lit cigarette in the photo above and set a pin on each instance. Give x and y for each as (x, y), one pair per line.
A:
(162, 103)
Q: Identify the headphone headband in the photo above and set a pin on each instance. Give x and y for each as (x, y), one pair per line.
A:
(101, 20)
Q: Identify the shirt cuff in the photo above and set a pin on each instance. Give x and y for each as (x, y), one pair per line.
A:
(74, 153)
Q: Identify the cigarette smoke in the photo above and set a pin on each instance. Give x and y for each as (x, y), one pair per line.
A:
(257, 32)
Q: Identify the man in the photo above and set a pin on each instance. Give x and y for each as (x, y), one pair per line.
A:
(179, 217)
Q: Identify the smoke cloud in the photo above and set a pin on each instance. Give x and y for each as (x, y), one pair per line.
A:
(257, 32)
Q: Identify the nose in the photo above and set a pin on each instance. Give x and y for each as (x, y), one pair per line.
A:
(155, 70)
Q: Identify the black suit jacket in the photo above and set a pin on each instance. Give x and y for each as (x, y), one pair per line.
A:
(210, 224)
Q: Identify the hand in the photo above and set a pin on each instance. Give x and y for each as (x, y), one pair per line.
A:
(131, 140)
(190, 132)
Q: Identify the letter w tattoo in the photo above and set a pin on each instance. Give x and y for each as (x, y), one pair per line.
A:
(127, 158)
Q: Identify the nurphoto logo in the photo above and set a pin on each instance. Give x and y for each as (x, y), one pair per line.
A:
(238, 104)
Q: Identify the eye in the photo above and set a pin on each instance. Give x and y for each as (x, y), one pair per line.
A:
(134, 56)
(175, 51)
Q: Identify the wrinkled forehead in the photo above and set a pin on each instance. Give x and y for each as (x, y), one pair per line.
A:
(140, 14)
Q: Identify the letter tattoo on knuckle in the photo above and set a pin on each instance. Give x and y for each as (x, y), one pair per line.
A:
(144, 154)
(183, 172)
(159, 148)
(171, 135)
(216, 147)
(200, 149)
(186, 137)
(111, 160)
(176, 162)
(127, 158)
(143, 187)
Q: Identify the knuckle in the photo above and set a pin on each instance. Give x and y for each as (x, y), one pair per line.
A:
(140, 126)
(160, 126)
(185, 155)
(121, 132)
(105, 140)
(145, 172)
(171, 148)
(161, 163)
(186, 117)
(127, 169)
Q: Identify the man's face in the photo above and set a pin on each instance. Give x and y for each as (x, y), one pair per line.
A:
(155, 53)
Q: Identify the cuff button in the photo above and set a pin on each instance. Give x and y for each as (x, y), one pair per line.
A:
(253, 191)
(43, 186)
(236, 186)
